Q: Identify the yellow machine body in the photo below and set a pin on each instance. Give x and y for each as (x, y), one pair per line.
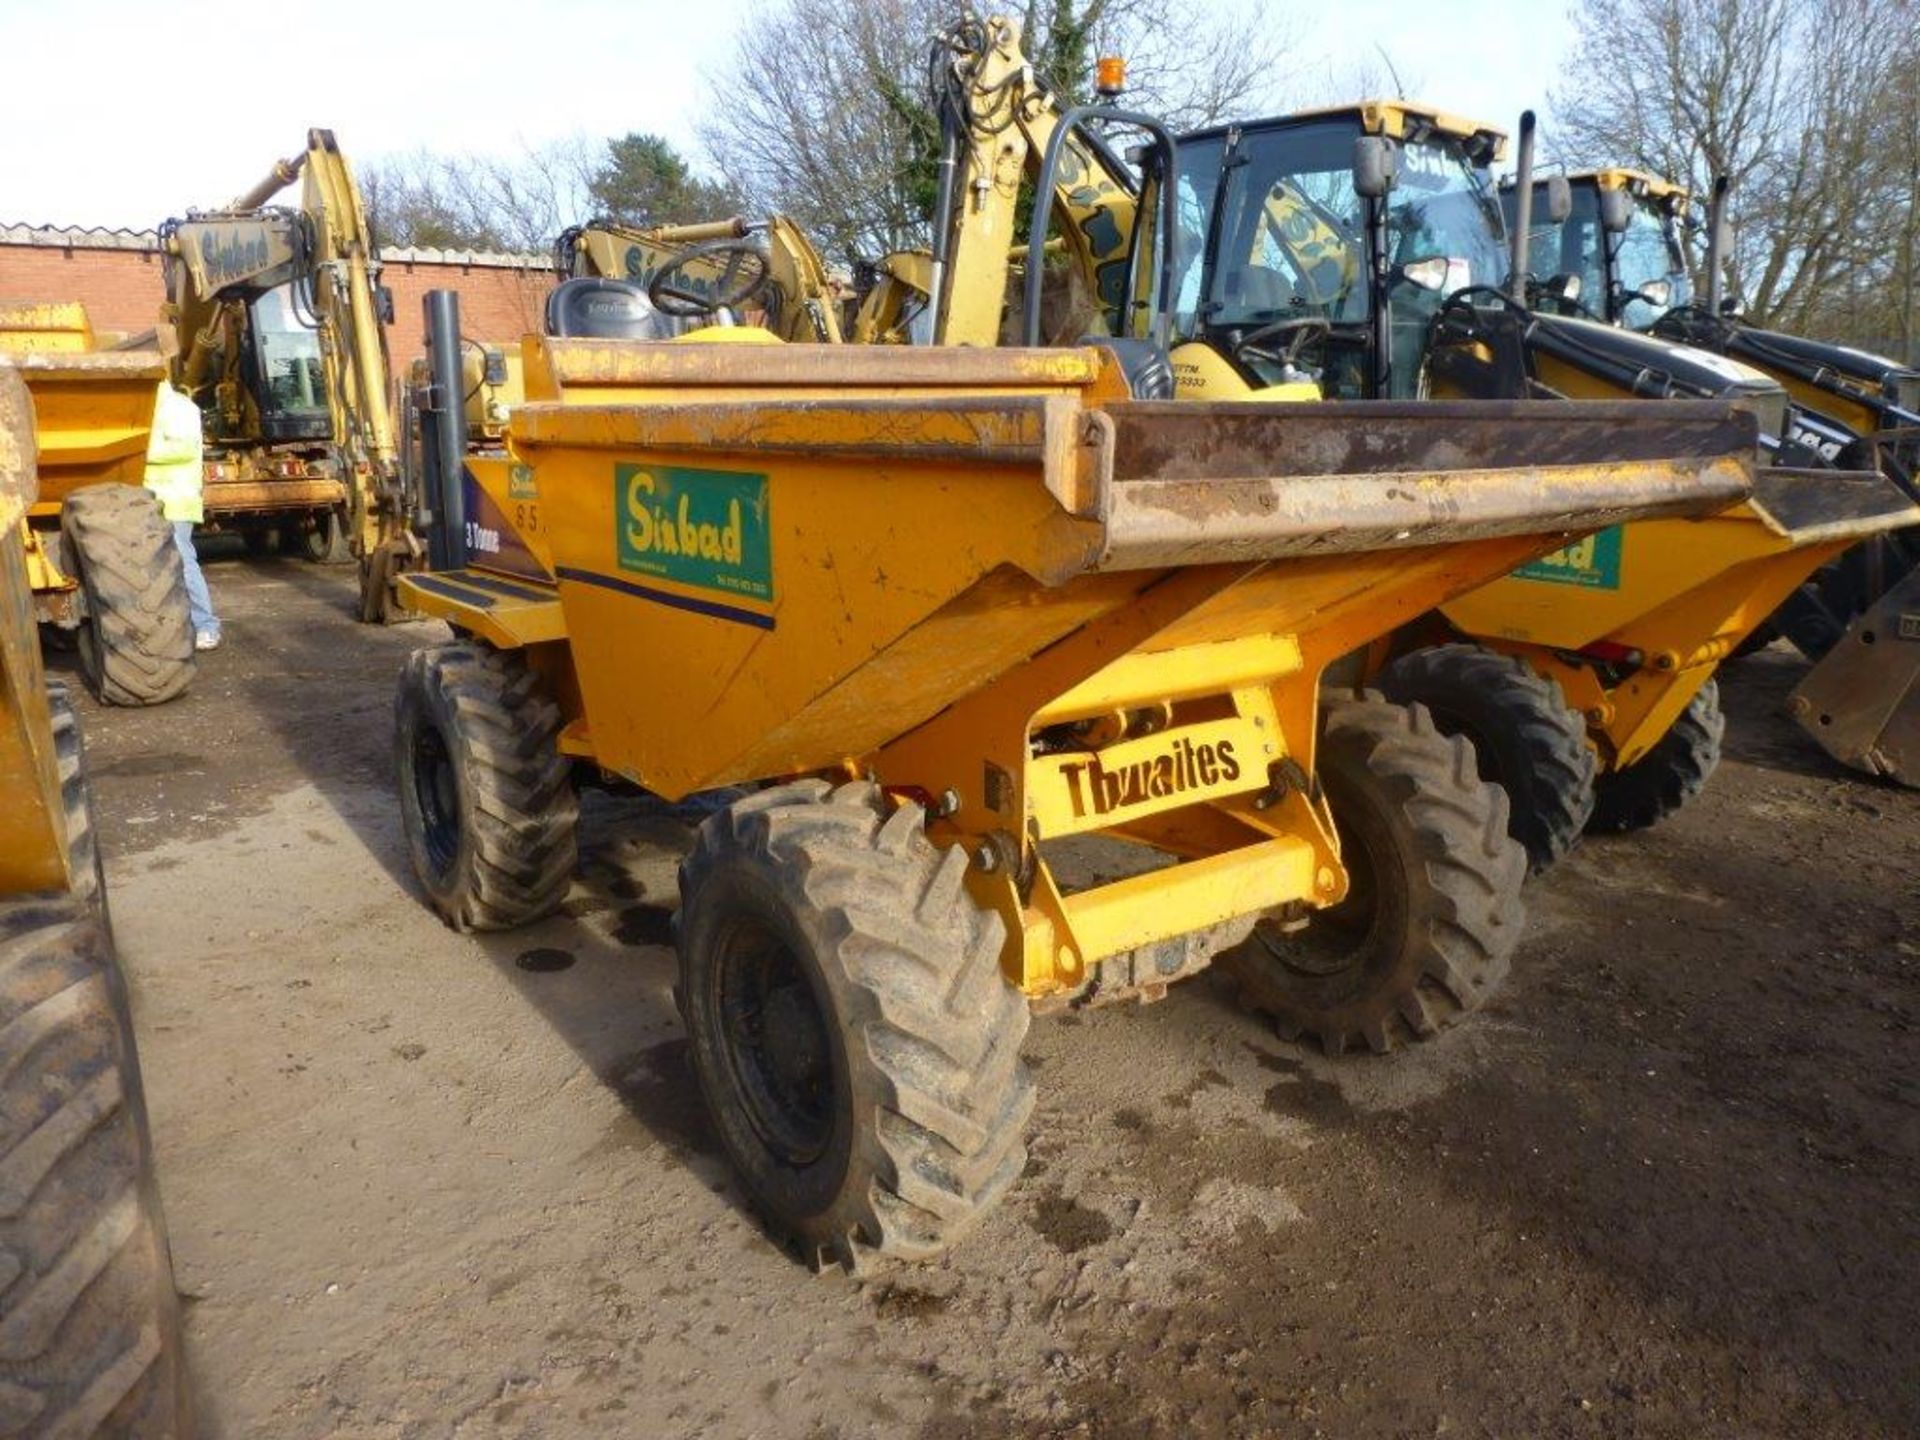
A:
(33, 819)
(93, 410)
(916, 563)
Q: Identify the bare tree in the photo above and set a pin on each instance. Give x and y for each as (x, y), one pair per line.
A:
(1793, 100)
(514, 203)
(824, 114)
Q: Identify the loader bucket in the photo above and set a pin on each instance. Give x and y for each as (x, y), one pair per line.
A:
(1862, 701)
(1633, 621)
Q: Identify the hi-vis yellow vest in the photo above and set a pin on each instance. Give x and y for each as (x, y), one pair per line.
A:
(173, 455)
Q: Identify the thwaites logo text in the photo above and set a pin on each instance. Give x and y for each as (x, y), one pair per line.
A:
(1096, 789)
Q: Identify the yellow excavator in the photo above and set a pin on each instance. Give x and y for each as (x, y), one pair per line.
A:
(274, 323)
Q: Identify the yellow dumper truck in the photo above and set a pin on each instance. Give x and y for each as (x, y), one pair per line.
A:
(101, 561)
(89, 1325)
(945, 609)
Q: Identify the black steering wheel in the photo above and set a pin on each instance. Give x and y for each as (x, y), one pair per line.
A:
(1462, 309)
(1258, 345)
(744, 275)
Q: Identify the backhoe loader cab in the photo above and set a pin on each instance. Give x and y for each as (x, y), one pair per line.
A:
(1621, 241)
(1288, 265)
(1298, 240)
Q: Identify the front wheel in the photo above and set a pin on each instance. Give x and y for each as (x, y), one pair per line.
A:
(854, 1038)
(1433, 909)
(485, 794)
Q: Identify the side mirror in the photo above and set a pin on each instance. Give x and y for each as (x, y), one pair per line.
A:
(383, 304)
(1657, 293)
(1559, 199)
(1428, 274)
(1616, 211)
(1376, 165)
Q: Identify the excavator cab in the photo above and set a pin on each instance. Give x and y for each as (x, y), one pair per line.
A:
(282, 367)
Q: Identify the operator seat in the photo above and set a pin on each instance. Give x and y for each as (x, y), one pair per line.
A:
(593, 308)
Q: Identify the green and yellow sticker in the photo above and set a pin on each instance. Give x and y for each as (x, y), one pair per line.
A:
(1593, 563)
(707, 529)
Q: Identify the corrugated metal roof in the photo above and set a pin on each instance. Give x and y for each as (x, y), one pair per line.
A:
(84, 237)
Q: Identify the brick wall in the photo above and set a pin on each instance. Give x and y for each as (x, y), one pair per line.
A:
(116, 274)
(121, 287)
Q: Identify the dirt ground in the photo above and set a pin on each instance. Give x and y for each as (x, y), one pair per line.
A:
(423, 1185)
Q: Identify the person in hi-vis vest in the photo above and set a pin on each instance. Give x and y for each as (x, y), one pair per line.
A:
(173, 475)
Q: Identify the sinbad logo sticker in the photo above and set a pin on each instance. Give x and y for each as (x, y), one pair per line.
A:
(1593, 562)
(520, 483)
(705, 528)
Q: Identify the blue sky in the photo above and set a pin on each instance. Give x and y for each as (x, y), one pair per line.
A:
(114, 106)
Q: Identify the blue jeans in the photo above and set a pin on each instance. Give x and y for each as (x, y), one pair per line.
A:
(199, 602)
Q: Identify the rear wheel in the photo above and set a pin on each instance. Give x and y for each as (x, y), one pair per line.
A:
(857, 1045)
(486, 797)
(1528, 740)
(136, 645)
(1433, 910)
(1669, 775)
(324, 541)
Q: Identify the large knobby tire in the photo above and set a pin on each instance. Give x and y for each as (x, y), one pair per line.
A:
(324, 542)
(1433, 912)
(1529, 741)
(490, 810)
(89, 1323)
(83, 849)
(1669, 775)
(857, 1044)
(136, 644)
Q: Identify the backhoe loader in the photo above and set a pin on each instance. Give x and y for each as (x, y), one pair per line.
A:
(942, 607)
(101, 562)
(89, 1323)
(274, 321)
(1620, 239)
(1363, 248)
